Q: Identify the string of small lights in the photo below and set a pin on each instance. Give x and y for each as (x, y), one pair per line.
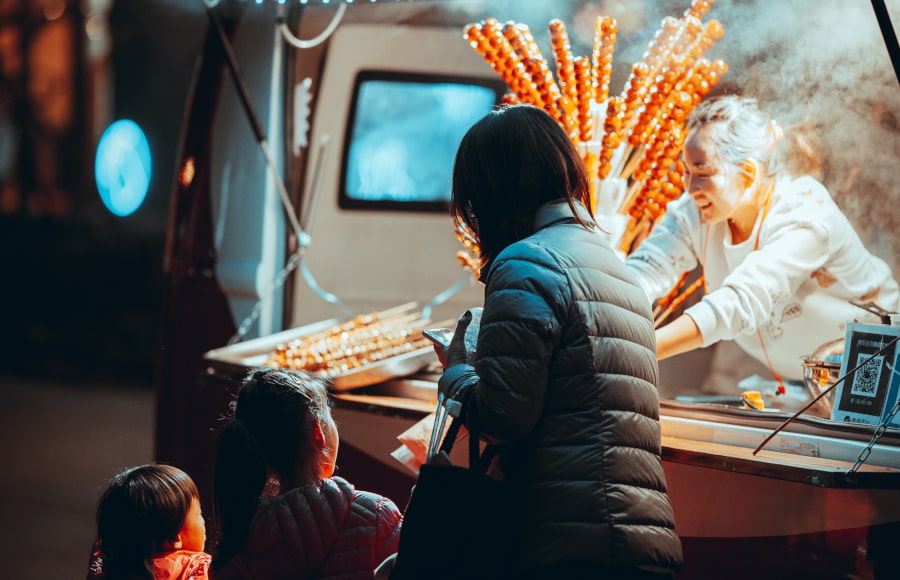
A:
(213, 3)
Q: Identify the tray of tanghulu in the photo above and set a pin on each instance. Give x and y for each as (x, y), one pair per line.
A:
(356, 352)
(630, 141)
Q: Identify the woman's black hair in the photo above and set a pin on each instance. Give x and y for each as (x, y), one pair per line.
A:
(142, 509)
(273, 420)
(510, 163)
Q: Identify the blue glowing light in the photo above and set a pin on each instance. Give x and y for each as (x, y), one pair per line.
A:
(122, 167)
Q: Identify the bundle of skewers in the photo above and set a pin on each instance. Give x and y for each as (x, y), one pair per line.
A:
(353, 343)
(631, 142)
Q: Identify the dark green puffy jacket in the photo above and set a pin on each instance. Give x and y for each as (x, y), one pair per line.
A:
(565, 378)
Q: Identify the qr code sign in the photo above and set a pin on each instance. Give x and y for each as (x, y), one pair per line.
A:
(865, 381)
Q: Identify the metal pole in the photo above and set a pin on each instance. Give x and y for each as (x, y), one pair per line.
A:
(887, 32)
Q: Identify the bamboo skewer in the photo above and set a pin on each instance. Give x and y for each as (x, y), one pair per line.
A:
(676, 304)
(637, 156)
(667, 299)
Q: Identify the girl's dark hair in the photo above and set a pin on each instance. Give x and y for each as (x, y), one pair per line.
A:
(510, 163)
(272, 425)
(141, 510)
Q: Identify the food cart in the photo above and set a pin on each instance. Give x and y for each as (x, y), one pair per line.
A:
(814, 502)
(268, 128)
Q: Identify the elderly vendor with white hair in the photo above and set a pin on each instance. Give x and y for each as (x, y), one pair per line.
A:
(780, 260)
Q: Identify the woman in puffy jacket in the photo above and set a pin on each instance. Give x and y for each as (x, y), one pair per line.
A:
(564, 374)
(281, 511)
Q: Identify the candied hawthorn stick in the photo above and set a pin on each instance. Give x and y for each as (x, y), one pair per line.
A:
(648, 176)
(643, 73)
(675, 45)
(630, 165)
(540, 73)
(612, 134)
(628, 206)
(695, 51)
(479, 41)
(669, 27)
(479, 38)
(717, 69)
(635, 88)
(676, 304)
(528, 39)
(637, 227)
(670, 295)
(520, 81)
(472, 34)
(546, 86)
(518, 40)
(591, 163)
(565, 72)
(699, 8)
(671, 115)
(565, 62)
(665, 77)
(659, 192)
(653, 187)
(469, 262)
(689, 31)
(605, 34)
(712, 33)
(470, 258)
(585, 97)
(655, 190)
(675, 90)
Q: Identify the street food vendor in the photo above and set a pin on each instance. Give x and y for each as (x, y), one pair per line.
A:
(780, 260)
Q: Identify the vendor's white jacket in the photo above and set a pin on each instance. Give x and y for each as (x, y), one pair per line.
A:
(795, 289)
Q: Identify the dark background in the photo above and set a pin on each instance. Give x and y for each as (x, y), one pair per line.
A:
(81, 287)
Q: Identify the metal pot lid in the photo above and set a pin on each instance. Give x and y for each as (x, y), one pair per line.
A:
(829, 354)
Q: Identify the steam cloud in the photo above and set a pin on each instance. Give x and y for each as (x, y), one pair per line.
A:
(826, 61)
(819, 61)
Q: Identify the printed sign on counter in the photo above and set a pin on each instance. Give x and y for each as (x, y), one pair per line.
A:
(869, 393)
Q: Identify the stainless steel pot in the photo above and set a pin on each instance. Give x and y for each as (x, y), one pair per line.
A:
(821, 370)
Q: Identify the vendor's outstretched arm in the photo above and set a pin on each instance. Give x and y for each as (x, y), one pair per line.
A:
(679, 336)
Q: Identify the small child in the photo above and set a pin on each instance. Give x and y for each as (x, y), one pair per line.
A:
(282, 511)
(149, 525)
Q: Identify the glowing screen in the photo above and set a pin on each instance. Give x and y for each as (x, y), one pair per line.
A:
(122, 167)
(403, 137)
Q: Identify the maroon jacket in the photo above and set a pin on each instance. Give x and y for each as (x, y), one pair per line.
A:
(324, 530)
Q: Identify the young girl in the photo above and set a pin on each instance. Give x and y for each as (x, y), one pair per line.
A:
(149, 525)
(281, 510)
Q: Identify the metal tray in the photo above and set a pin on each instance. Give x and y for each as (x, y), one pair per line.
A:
(254, 353)
(394, 367)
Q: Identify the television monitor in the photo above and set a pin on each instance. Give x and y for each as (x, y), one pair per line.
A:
(402, 134)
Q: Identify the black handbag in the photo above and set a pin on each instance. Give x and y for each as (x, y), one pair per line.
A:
(458, 522)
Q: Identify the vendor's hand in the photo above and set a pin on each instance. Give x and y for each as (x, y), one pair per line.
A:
(455, 352)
